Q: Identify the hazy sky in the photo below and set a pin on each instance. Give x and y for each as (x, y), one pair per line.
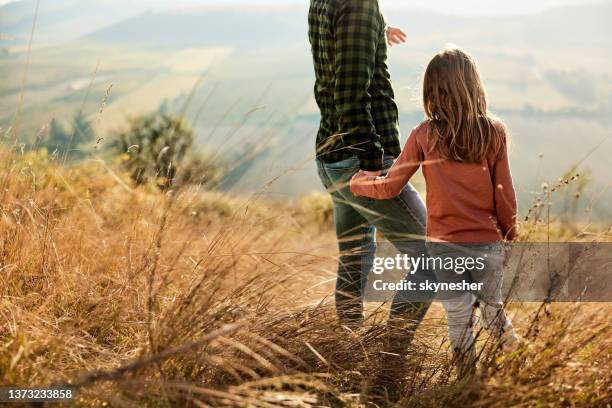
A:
(468, 7)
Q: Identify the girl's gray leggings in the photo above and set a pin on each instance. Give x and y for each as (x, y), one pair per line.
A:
(466, 308)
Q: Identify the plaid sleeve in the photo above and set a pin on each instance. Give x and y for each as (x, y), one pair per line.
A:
(357, 29)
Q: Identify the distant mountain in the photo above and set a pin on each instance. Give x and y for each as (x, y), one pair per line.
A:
(255, 26)
(584, 26)
(272, 26)
(244, 27)
(60, 20)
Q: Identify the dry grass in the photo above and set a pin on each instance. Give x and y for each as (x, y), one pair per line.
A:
(198, 299)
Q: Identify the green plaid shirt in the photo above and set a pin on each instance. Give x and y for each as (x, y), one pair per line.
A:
(353, 86)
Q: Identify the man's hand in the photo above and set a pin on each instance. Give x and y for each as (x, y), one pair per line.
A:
(395, 36)
(371, 173)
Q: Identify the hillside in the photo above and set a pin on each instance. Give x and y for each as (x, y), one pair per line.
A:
(244, 78)
(213, 27)
(573, 27)
(59, 20)
(191, 261)
(135, 297)
(567, 27)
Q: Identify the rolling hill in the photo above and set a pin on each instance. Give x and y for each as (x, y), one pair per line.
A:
(60, 20)
(247, 27)
(548, 76)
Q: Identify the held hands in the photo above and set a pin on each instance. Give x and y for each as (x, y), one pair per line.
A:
(395, 36)
(362, 178)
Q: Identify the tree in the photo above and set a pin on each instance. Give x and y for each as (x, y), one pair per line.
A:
(58, 137)
(164, 106)
(158, 147)
(82, 130)
(68, 141)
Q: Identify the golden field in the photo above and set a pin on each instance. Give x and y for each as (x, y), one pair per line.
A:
(196, 298)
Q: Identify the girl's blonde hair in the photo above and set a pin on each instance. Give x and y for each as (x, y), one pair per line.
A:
(456, 104)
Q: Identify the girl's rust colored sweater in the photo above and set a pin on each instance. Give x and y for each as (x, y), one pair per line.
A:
(466, 202)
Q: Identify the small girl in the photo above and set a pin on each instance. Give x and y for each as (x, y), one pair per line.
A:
(471, 202)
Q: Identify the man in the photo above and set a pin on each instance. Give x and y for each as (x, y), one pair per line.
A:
(359, 129)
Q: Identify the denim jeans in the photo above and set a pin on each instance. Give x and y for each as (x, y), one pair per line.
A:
(401, 220)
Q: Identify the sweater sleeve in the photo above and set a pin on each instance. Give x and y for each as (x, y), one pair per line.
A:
(505, 196)
(391, 185)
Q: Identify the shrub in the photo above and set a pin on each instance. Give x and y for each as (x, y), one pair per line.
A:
(158, 148)
(69, 141)
(315, 209)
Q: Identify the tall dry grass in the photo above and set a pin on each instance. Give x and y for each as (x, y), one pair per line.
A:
(187, 298)
(140, 298)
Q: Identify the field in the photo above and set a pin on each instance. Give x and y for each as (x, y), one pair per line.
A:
(553, 109)
(202, 296)
(199, 298)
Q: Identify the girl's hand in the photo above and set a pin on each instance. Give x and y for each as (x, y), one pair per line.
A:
(395, 35)
(354, 181)
(362, 177)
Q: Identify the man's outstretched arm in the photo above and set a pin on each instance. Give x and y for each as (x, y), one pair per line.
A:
(357, 28)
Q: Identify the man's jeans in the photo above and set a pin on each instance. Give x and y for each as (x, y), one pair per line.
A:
(401, 220)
